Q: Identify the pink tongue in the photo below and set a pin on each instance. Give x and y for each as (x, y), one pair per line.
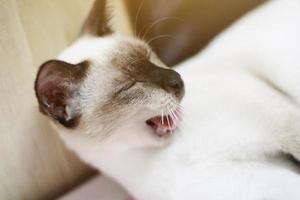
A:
(162, 126)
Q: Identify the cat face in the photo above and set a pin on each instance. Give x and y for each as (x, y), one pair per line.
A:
(102, 85)
(109, 86)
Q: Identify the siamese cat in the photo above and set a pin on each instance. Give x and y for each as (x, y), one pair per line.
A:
(116, 105)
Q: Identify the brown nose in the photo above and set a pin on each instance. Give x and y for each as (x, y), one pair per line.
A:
(167, 79)
(172, 82)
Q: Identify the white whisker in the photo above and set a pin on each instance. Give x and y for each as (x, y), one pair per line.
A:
(158, 37)
(176, 103)
(172, 111)
(156, 22)
(170, 124)
(137, 15)
(162, 117)
(168, 121)
(175, 116)
(171, 116)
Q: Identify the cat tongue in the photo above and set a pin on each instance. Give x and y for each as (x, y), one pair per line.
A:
(162, 125)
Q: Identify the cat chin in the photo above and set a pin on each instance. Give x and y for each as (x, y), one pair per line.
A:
(135, 134)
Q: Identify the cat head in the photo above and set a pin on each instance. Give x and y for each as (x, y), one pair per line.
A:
(108, 85)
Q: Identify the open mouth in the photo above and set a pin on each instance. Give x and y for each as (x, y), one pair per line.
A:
(165, 124)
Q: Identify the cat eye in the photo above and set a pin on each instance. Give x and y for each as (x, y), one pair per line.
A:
(126, 87)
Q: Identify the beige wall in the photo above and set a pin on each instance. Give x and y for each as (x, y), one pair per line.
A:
(34, 163)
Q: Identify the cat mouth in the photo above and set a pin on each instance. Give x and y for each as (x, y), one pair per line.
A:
(165, 124)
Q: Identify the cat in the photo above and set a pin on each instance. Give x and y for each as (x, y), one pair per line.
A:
(223, 129)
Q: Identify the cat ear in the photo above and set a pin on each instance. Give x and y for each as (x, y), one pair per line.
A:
(97, 22)
(57, 89)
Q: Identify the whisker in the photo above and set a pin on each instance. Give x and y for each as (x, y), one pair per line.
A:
(162, 117)
(171, 129)
(172, 110)
(177, 113)
(169, 106)
(137, 15)
(158, 37)
(176, 103)
(168, 122)
(171, 116)
(178, 119)
(175, 116)
(157, 22)
(179, 107)
(142, 29)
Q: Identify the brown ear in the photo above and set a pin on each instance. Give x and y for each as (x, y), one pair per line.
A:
(96, 23)
(57, 87)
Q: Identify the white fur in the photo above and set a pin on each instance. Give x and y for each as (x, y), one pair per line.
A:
(235, 126)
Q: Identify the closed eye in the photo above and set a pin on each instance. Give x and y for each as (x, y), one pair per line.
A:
(126, 87)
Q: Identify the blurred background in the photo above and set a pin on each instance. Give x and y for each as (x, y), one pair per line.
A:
(34, 164)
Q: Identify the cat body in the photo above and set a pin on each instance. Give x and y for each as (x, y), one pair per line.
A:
(240, 119)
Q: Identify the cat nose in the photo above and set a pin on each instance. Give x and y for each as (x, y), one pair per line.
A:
(167, 79)
(173, 83)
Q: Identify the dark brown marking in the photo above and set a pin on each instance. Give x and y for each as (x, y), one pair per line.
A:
(167, 79)
(135, 64)
(56, 84)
